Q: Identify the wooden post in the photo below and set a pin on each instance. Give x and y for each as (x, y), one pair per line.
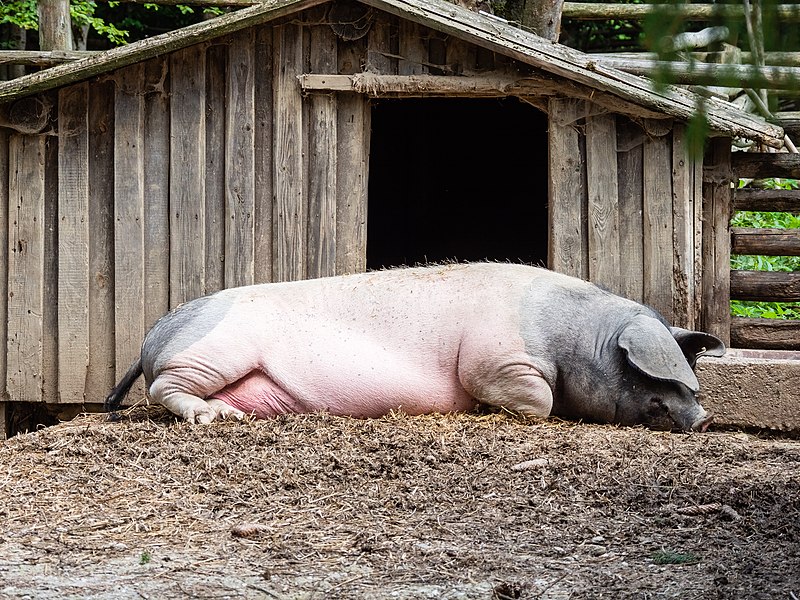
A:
(567, 244)
(55, 25)
(716, 286)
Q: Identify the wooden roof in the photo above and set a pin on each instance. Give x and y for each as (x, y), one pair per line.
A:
(562, 63)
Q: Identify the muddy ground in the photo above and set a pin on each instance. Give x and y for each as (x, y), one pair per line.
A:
(458, 507)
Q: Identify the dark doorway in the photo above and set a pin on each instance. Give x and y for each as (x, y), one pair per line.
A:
(457, 179)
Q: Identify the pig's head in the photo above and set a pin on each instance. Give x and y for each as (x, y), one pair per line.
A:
(658, 387)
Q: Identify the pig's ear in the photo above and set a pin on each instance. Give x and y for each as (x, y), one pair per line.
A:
(650, 348)
(696, 343)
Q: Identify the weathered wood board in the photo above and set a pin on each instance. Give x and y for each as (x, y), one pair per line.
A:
(73, 251)
(568, 250)
(26, 257)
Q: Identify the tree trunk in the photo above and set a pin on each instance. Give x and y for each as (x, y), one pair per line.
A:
(55, 25)
(543, 17)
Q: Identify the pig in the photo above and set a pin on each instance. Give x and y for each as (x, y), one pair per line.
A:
(433, 339)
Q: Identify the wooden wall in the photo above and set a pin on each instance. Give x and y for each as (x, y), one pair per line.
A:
(171, 179)
(626, 207)
(208, 168)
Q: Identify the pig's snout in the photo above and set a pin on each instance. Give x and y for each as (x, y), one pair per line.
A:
(702, 423)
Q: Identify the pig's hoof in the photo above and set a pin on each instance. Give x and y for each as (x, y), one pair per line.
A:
(200, 415)
(224, 412)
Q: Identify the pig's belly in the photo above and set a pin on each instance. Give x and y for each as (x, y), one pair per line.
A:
(259, 395)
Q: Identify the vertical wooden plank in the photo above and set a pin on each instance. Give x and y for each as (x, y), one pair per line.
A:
(290, 224)
(239, 163)
(630, 165)
(50, 288)
(26, 266)
(129, 243)
(264, 155)
(717, 177)
(697, 192)
(413, 48)
(73, 241)
(381, 45)
(4, 254)
(353, 134)
(603, 207)
(156, 186)
(658, 226)
(322, 160)
(567, 246)
(683, 230)
(216, 116)
(187, 174)
(102, 351)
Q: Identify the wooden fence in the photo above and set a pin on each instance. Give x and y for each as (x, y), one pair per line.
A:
(765, 285)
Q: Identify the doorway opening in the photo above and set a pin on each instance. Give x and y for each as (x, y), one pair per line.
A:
(457, 179)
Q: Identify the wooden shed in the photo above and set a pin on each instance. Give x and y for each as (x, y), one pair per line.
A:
(305, 138)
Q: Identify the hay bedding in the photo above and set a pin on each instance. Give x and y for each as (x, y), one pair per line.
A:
(458, 507)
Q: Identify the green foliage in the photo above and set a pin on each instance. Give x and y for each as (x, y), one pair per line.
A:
(115, 24)
(145, 557)
(82, 14)
(766, 220)
(764, 310)
(21, 13)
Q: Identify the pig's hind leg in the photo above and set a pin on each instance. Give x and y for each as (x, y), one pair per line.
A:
(191, 408)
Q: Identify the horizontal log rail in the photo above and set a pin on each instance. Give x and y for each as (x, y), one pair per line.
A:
(753, 199)
(766, 242)
(765, 286)
(38, 58)
(768, 334)
(700, 73)
(785, 59)
(690, 12)
(754, 165)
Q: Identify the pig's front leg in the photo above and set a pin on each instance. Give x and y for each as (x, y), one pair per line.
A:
(510, 382)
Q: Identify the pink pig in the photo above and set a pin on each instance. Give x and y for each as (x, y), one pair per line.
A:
(422, 340)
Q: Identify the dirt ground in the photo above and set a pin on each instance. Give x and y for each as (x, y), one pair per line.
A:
(458, 507)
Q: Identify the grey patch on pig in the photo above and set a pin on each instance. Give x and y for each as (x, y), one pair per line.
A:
(176, 331)
(650, 347)
(575, 333)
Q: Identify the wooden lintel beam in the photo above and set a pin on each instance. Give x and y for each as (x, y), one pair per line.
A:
(412, 85)
(475, 86)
